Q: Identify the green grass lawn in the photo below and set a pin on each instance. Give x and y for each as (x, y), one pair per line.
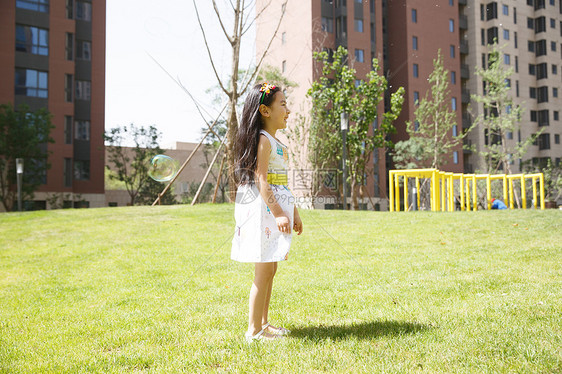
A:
(147, 289)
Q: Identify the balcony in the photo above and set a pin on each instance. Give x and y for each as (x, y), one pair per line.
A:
(463, 22)
(465, 96)
(466, 121)
(464, 47)
(465, 71)
(467, 146)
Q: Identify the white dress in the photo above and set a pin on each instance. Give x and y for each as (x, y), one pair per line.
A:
(256, 237)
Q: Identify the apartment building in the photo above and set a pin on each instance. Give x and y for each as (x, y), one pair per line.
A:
(52, 55)
(530, 32)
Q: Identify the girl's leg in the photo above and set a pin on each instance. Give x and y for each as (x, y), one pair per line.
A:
(258, 295)
(268, 297)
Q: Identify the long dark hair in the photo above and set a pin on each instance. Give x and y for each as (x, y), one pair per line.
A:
(246, 145)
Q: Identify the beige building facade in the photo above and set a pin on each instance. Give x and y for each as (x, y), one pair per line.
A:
(530, 32)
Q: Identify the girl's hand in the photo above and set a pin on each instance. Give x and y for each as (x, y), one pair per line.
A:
(283, 224)
(297, 226)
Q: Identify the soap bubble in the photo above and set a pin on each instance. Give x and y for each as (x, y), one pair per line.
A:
(162, 168)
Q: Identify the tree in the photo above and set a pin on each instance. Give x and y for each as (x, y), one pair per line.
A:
(339, 90)
(233, 89)
(430, 138)
(150, 191)
(500, 116)
(23, 134)
(131, 165)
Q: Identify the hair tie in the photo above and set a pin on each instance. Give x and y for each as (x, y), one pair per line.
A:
(266, 89)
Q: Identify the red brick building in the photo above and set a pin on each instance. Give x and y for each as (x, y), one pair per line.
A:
(52, 54)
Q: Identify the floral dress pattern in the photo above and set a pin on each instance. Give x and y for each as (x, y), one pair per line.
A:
(256, 236)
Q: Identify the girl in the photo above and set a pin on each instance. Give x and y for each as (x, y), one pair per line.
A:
(264, 209)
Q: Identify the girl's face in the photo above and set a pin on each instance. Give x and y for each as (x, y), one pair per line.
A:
(277, 113)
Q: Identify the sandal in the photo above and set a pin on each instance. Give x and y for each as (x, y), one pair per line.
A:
(280, 331)
(262, 335)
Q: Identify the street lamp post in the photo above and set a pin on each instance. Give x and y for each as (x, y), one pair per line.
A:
(344, 127)
(19, 172)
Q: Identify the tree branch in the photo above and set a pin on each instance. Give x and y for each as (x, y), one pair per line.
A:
(255, 73)
(209, 50)
(230, 39)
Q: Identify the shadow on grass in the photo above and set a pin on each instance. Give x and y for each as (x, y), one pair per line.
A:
(365, 330)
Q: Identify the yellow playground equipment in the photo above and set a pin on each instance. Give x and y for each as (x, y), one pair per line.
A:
(442, 189)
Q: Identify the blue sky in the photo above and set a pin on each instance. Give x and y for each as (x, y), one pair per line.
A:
(137, 90)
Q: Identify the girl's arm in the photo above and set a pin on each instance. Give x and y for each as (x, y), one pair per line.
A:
(264, 149)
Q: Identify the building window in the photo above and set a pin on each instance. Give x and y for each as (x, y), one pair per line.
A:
(506, 34)
(515, 15)
(542, 94)
(83, 89)
(540, 47)
(516, 64)
(327, 24)
(453, 77)
(359, 25)
(544, 141)
(284, 66)
(492, 35)
(360, 55)
(532, 92)
(556, 115)
(554, 92)
(68, 88)
(83, 11)
(455, 133)
(507, 59)
(508, 83)
(67, 172)
(483, 61)
(482, 12)
(83, 50)
(451, 25)
(69, 46)
(67, 129)
(482, 36)
(553, 46)
(491, 11)
(415, 43)
(515, 40)
(416, 98)
(554, 69)
(542, 71)
(416, 71)
(540, 24)
(283, 38)
(543, 118)
(505, 10)
(31, 82)
(70, 9)
(552, 23)
(531, 46)
(533, 116)
(32, 40)
(517, 88)
(414, 16)
(454, 103)
(81, 169)
(456, 157)
(36, 5)
(530, 23)
(557, 140)
(451, 3)
(82, 130)
(452, 51)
